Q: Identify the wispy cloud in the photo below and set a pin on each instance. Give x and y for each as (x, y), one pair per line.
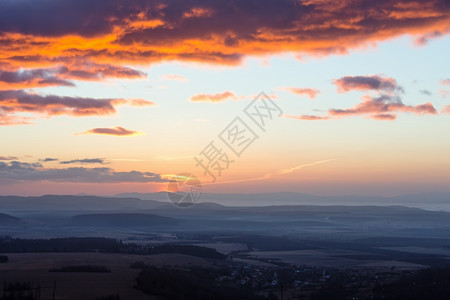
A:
(115, 131)
(48, 159)
(198, 12)
(310, 92)
(140, 102)
(446, 109)
(8, 157)
(213, 97)
(425, 92)
(84, 161)
(173, 77)
(444, 93)
(126, 159)
(306, 117)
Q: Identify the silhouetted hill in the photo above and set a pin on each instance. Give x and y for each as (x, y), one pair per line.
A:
(69, 202)
(7, 219)
(122, 220)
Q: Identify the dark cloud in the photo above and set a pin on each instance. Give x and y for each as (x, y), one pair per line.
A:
(21, 101)
(56, 18)
(88, 70)
(219, 31)
(371, 82)
(7, 157)
(35, 172)
(68, 69)
(18, 101)
(31, 78)
(84, 161)
(425, 92)
(48, 159)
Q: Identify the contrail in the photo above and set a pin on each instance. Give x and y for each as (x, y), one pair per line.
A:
(270, 175)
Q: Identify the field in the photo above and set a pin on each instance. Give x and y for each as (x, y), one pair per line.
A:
(35, 267)
(335, 258)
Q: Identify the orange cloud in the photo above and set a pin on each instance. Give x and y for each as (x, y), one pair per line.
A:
(446, 109)
(53, 42)
(9, 120)
(123, 33)
(198, 12)
(213, 97)
(140, 102)
(116, 131)
(311, 93)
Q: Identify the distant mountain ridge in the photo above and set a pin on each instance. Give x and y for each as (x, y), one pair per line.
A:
(431, 201)
(71, 202)
(139, 201)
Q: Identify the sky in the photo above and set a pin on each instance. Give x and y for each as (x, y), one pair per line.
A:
(107, 97)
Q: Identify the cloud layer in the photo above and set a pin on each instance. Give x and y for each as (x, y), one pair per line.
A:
(22, 171)
(137, 31)
(13, 102)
